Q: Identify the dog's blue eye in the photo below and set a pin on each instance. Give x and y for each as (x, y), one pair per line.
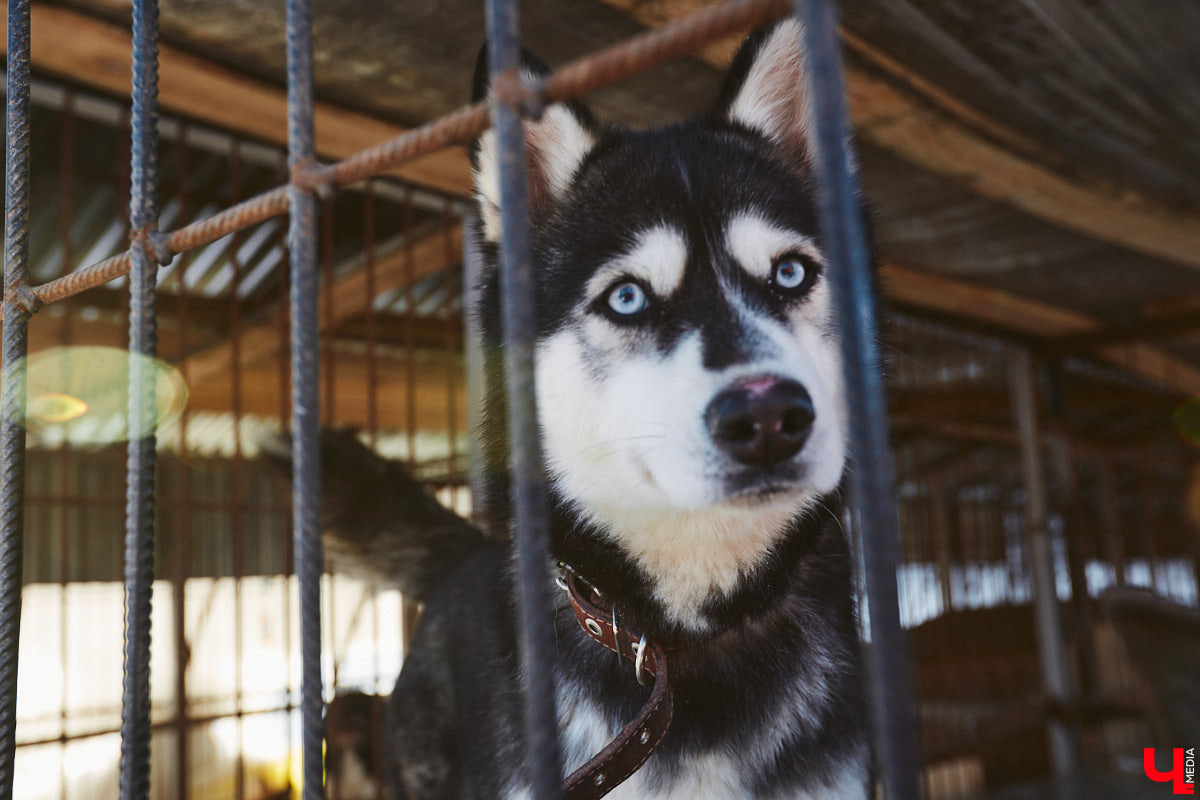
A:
(790, 273)
(628, 299)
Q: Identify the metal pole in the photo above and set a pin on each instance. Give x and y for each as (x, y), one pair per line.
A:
(872, 479)
(17, 308)
(140, 456)
(306, 441)
(531, 538)
(1055, 674)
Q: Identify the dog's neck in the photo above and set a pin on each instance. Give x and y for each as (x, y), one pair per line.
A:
(692, 557)
(690, 575)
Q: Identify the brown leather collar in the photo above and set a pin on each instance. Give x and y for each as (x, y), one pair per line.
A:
(625, 754)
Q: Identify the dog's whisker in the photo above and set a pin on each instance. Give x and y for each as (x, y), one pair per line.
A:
(623, 439)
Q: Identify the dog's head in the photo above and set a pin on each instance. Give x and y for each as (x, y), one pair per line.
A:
(686, 355)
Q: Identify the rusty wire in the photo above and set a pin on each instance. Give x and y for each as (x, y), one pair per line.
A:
(205, 231)
(588, 74)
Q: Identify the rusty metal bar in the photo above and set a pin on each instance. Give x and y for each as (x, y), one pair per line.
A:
(872, 478)
(306, 418)
(140, 454)
(588, 74)
(17, 307)
(206, 231)
(531, 535)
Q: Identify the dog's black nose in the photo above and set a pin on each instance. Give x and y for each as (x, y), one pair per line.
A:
(761, 423)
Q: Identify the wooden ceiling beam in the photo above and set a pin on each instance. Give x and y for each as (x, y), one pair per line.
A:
(1034, 319)
(1167, 326)
(96, 54)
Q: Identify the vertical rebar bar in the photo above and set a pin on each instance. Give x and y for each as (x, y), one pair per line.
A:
(12, 382)
(531, 536)
(306, 441)
(872, 479)
(140, 461)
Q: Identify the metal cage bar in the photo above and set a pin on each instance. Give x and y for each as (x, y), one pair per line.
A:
(531, 535)
(140, 455)
(306, 416)
(17, 307)
(873, 476)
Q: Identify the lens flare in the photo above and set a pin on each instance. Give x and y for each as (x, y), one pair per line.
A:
(56, 407)
(80, 395)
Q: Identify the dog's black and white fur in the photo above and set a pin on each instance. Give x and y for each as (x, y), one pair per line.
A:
(690, 407)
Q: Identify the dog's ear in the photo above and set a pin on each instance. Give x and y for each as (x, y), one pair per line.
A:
(555, 146)
(764, 88)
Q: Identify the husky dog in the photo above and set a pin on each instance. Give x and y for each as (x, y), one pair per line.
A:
(694, 437)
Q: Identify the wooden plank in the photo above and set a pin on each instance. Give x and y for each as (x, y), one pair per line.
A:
(259, 341)
(97, 54)
(934, 292)
(1146, 329)
(902, 122)
(927, 290)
